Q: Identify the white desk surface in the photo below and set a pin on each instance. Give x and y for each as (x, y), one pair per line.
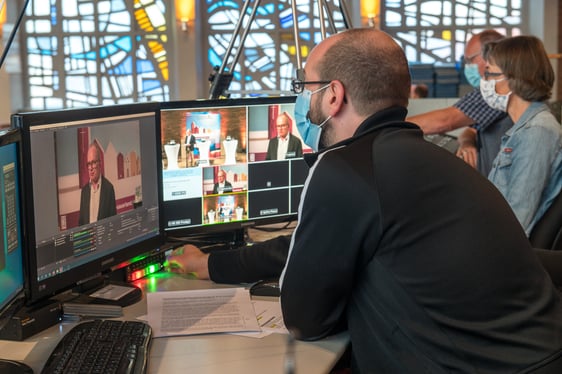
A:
(202, 354)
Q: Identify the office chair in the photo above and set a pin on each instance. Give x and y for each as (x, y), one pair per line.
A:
(547, 233)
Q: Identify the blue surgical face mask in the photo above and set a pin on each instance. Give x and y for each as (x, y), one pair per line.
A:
(309, 131)
(472, 75)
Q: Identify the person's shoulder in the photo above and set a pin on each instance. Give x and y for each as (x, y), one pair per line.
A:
(106, 181)
(546, 121)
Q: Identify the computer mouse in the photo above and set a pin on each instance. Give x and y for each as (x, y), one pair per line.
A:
(14, 367)
(266, 288)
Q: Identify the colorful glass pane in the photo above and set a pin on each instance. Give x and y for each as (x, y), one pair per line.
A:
(420, 26)
(267, 61)
(108, 51)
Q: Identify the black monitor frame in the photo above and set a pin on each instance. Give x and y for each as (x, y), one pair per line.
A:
(209, 233)
(16, 298)
(101, 267)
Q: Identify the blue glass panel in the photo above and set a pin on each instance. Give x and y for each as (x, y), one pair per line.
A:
(214, 59)
(219, 4)
(269, 9)
(54, 15)
(305, 36)
(124, 68)
(151, 84)
(145, 66)
(125, 43)
(86, 56)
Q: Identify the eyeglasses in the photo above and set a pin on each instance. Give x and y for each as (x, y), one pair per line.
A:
(93, 163)
(298, 85)
(469, 59)
(491, 74)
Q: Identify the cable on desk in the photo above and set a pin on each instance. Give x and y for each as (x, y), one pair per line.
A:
(274, 229)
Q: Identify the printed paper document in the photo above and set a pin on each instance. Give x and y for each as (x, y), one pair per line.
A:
(172, 313)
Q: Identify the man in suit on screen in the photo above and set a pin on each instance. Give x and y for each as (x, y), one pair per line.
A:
(285, 145)
(97, 199)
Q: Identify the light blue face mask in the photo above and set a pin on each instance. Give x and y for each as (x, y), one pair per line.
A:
(472, 75)
(309, 131)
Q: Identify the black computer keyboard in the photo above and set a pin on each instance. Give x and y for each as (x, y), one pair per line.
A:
(444, 141)
(102, 346)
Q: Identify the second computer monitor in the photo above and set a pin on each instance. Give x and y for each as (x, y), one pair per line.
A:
(11, 247)
(93, 192)
(230, 164)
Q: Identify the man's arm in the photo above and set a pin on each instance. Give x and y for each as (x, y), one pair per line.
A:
(227, 186)
(441, 120)
(468, 150)
(299, 147)
(260, 261)
(271, 150)
(326, 251)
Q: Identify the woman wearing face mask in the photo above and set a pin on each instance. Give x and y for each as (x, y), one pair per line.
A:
(528, 167)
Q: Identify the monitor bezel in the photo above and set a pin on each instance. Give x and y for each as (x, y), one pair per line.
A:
(216, 233)
(7, 137)
(38, 290)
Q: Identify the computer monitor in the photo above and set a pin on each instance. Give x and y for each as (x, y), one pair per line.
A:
(218, 175)
(92, 182)
(11, 246)
(11, 263)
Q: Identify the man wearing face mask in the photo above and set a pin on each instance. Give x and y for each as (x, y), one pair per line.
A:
(479, 144)
(397, 252)
(421, 282)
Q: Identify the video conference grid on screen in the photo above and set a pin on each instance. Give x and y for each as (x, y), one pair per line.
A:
(222, 162)
(77, 221)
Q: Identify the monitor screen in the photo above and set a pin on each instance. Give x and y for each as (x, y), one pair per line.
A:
(92, 185)
(230, 164)
(11, 265)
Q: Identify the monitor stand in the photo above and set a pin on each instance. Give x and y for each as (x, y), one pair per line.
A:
(14, 367)
(219, 240)
(103, 291)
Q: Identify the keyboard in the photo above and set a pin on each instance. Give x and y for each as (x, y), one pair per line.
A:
(444, 141)
(102, 346)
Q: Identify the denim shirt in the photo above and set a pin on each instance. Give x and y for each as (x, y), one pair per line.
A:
(528, 167)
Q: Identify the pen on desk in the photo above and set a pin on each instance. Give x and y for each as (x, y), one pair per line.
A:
(266, 322)
(290, 355)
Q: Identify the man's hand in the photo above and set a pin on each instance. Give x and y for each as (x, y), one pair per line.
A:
(468, 154)
(188, 260)
(467, 147)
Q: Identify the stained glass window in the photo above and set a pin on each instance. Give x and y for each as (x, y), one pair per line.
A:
(267, 62)
(437, 30)
(93, 52)
(430, 31)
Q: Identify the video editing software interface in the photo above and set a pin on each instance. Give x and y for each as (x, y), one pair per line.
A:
(217, 170)
(93, 183)
(11, 265)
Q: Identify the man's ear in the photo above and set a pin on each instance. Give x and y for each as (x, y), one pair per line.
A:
(336, 97)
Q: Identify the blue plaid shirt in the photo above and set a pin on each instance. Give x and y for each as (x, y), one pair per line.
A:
(473, 105)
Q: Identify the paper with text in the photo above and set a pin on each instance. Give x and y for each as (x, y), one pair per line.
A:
(172, 313)
(270, 319)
